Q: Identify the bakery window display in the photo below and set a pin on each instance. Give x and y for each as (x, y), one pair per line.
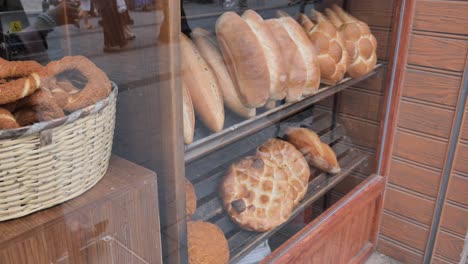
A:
(253, 67)
(56, 131)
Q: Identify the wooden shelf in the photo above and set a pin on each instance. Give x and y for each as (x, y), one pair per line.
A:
(237, 128)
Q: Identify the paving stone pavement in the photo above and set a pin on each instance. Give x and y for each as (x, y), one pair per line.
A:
(377, 258)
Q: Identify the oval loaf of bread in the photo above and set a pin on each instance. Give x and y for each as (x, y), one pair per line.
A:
(245, 59)
(206, 44)
(189, 115)
(319, 154)
(273, 54)
(202, 86)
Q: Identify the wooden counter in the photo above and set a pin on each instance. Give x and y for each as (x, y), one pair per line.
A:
(117, 221)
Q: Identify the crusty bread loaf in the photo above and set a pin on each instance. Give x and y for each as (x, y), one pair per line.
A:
(256, 194)
(332, 54)
(190, 199)
(189, 115)
(307, 52)
(319, 154)
(202, 86)
(305, 22)
(273, 53)
(206, 244)
(284, 155)
(293, 61)
(361, 45)
(245, 59)
(207, 46)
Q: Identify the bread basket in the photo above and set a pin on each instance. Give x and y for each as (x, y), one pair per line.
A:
(51, 162)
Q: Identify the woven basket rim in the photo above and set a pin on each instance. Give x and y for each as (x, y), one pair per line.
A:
(41, 126)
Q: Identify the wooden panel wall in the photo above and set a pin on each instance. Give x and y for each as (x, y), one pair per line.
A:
(360, 106)
(432, 84)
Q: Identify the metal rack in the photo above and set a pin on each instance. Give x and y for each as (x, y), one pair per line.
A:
(237, 128)
(211, 154)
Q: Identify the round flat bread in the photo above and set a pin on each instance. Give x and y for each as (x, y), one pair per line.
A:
(255, 193)
(284, 155)
(191, 199)
(206, 244)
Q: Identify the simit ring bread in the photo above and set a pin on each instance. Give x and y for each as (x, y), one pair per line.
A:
(284, 155)
(320, 154)
(256, 194)
(7, 120)
(206, 244)
(97, 88)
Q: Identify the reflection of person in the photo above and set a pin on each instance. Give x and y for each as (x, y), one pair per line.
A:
(33, 38)
(85, 8)
(184, 23)
(115, 25)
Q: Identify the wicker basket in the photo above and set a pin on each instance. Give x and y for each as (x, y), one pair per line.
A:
(52, 162)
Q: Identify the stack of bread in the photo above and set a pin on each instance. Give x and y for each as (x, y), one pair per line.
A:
(255, 63)
(31, 93)
(260, 192)
(245, 68)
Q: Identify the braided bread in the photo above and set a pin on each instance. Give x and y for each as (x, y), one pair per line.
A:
(359, 41)
(332, 54)
(44, 104)
(7, 120)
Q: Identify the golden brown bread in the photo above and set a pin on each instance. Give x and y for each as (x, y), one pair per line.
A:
(207, 46)
(305, 22)
(190, 199)
(7, 120)
(361, 45)
(284, 155)
(202, 86)
(189, 115)
(245, 59)
(293, 61)
(273, 54)
(206, 244)
(307, 51)
(256, 194)
(319, 154)
(332, 54)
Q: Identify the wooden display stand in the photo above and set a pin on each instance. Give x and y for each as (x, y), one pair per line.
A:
(117, 221)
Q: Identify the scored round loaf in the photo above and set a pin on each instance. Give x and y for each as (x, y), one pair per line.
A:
(207, 46)
(202, 86)
(361, 45)
(294, 63)
(284, 155)
(188, 114)
(256, 194)
(319, 154)
(190, 199)
(331, 52)
(273, 53)
(245, 59)
(307, 52)
(206, 244)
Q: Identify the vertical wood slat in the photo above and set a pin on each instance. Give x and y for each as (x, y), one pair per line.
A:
(169, 158)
